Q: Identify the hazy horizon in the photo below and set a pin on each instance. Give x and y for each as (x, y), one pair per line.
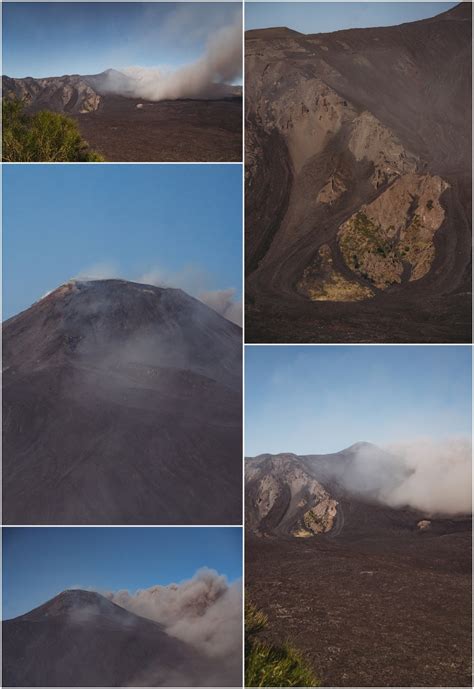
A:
(56, 38)
(322, 399)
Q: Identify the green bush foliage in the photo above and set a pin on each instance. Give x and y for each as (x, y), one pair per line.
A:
(41, 137)
(268, 665)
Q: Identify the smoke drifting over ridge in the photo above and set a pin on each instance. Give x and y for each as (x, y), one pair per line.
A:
(205, 611)
(220, 65)
(433, 477)
(223, 302)
(190, 278)
(440, 476)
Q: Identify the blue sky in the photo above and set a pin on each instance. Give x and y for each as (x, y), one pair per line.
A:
(324, 17)
(182, 221)
(50, 39)
(318, 399)
(39, 563)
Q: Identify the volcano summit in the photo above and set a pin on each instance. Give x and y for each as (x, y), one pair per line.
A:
(122, 404)
(123, 120)
(359, 183)
(80, 638)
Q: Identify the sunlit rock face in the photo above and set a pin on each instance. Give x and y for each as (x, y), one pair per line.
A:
(358, 182)
(283, 497)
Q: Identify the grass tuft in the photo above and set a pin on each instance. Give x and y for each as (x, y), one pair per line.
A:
(268, 665)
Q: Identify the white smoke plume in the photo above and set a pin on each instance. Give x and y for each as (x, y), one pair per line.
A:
(439, 476)
(221, 64)
(98, 271)
(190, 278)
(224, 302)
(205, 611)
(434, 477)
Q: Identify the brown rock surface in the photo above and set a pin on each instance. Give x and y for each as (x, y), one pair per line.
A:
(124, 128)
(334, 121)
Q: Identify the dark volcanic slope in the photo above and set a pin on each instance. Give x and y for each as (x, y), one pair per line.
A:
(303, 496)
(132, 130)
(358, 183)
(122, 405)
(371, 595)
(124, 128)
(80, 638)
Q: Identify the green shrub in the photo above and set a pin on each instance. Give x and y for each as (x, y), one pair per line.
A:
(267, 665)
(42, 137)
(255, 620)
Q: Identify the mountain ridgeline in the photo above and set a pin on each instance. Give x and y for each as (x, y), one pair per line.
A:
(348, 494)
(80, 638)
(339, 571)
(122, 404)
(124, 118)
(76, 93)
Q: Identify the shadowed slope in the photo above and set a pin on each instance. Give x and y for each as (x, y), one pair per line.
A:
(358, 183)
(122, 404)
(79, 638)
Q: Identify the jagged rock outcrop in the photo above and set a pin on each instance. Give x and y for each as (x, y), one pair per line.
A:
(305, 496)
(284, 498)
(321, 282)
(68, 94)
(76, 94)
(392, 239)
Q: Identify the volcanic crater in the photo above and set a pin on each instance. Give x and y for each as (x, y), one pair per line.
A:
(358, 183)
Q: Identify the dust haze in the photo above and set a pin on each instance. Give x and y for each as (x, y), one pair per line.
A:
(189, 278)
(221, 64)
(224, 302)
(205, 611)
(431, 476)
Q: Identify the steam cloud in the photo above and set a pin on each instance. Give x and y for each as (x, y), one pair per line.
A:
(439, 479)
(433, 477)
(221, 64)
(191, 279)
(98, 271)
(204, 611)
(223, 301)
